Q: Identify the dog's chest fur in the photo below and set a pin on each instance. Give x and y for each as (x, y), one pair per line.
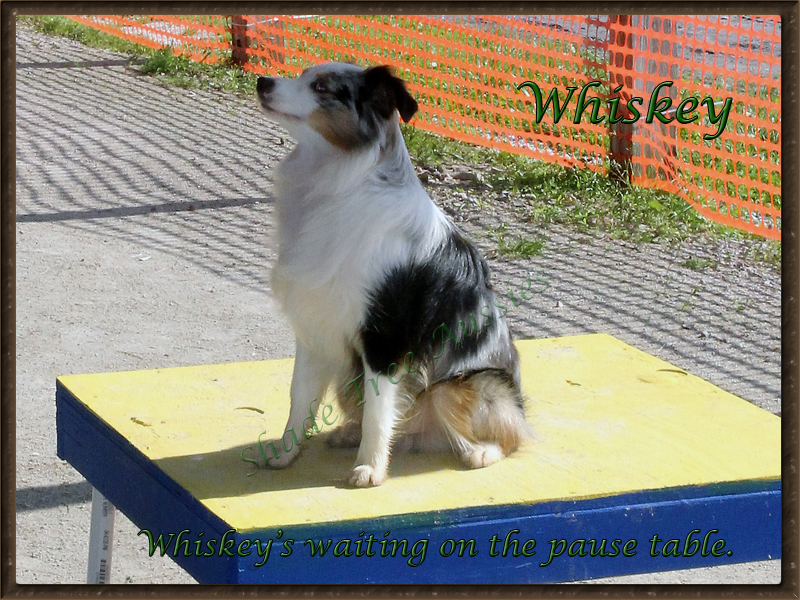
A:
(340, 231)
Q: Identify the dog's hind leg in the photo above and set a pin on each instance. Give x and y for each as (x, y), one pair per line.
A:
(349, 388)
(347, 435)
(483, 417)
(453, 403)
(498, 417)
(310, 379)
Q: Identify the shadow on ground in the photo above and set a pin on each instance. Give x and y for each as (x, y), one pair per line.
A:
(105, 150)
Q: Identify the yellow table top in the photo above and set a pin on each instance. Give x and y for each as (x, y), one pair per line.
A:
(608, 419)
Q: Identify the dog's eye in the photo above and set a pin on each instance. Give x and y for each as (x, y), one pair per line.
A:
(319, 86)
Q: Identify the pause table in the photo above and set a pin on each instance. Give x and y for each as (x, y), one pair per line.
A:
(635, 466)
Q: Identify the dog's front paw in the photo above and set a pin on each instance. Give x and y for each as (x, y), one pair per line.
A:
(284, 460)
(366, 476)
(482, 456)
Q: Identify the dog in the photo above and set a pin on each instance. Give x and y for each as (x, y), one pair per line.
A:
(371, 274)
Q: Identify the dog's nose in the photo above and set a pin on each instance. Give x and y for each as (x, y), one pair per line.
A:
(264, 85)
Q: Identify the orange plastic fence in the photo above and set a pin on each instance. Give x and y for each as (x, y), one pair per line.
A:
(466, 71)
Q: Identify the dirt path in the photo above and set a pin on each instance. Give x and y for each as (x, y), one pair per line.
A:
(145, 234)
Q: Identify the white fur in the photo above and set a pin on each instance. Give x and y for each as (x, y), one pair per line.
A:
(341, 228)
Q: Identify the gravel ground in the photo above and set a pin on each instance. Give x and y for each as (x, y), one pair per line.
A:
(145, 233)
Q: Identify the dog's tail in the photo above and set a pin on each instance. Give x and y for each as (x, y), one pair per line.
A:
(483, 415)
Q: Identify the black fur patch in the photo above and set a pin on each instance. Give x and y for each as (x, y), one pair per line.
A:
(423, 307)
(343, 95)
(385, 93)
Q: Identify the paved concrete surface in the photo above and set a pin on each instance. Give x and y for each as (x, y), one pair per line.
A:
(145, 234)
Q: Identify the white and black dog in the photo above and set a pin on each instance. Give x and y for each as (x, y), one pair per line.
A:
(383, 292)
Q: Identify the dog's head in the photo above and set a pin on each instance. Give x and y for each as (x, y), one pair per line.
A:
(345, 104)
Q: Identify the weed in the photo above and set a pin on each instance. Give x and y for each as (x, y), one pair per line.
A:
(688, 303)
(739, 306)
(519, 248)
(698, 264)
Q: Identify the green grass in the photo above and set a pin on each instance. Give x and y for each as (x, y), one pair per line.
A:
(588, 200)
(698, 264)
(432, 149)
(520, 247)
(767, 251)
(62, 26)
(585, 199)
(169, 68)
(688, 303)
(186, 73)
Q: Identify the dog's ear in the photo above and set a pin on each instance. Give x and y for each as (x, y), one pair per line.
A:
(384, 93)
